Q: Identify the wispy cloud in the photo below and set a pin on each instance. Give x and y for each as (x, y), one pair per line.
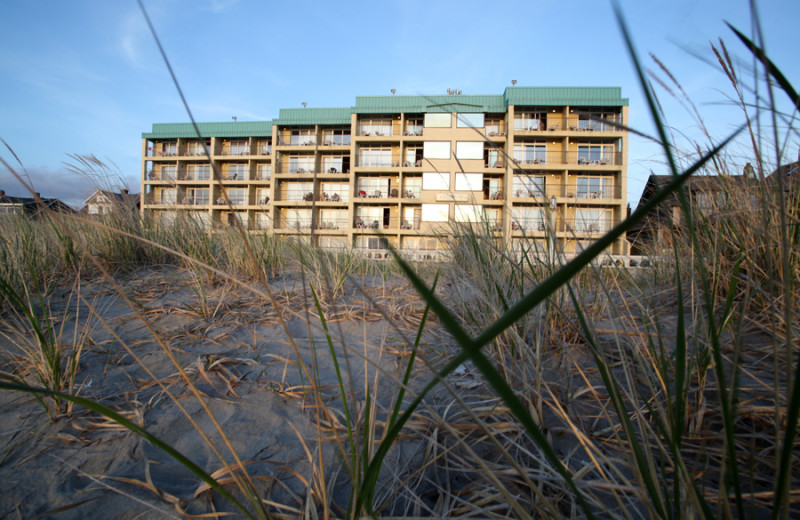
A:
(216, 6)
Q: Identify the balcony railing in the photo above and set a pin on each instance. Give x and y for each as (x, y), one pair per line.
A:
(294, 223)
(373, 193)
(566, 190)
(297, 140)
(265, 149)
(195, 201)
(536, 125)
(296, 195)
(376, 131)
(413, 130)
(411, 193)
(336, 140)
(495, 164)
(595, 158)
(590, 226)
(594, 125)
(589, 158)
(236, 151)
(378, 163)
(332, 197)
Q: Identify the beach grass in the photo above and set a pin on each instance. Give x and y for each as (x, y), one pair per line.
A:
(500, 382)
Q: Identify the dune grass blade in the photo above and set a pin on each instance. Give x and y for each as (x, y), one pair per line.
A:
(793, 412)
(135, 428)
(471, 348)
(371, 471)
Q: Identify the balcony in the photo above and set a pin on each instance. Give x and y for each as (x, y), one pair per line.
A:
(413, 130)
(336, 140)
(572, 190)
(195, 201)
(367, 192)
(593, 226)
(597, 124)
(297, 140)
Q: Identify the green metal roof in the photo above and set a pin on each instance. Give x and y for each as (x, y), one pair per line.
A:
(439, 103)
(225, 129)
(314, 116)
(531, 96)
(576, 96)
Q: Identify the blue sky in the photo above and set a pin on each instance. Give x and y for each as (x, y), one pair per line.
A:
(85, 77)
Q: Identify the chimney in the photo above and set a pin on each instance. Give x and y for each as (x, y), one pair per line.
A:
(124, 191)
(37, 195)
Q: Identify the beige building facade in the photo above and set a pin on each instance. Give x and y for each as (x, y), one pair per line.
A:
(404, 170)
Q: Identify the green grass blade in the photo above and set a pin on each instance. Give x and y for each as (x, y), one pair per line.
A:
(772, 69)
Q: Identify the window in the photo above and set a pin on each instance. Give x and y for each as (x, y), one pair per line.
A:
(469, 121)
(200, 218)
(469, 150)
(239, 147)
(591, 220)
(262, 196)
(469, 181)
(412, 187)
(528, 219)
(333, 219)
(375, 157)
(265, 147)
(435, 181)
(299, 191)
(332, 164)
(530, 121)
(594, 188)
(437, 121)
(262, 220)
(336, 137)
(196, 148)
(468, 213)
(169, 149)
(169, 196)
(300, 137)
(530, 154)
(377, 127)
(374, 187)
(237, 172)
(263, 172)
(595, 154)
(595, 121)
(169, 172)
(494, 127)
(167, 218)
(198, 172)
(435, 212)
(197, 196)
(301, 164)
(335, 191)
(237, 196)
(436, 149)
(529, 186)
(297, 218)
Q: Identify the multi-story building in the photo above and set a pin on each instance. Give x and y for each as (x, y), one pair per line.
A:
(404, 169)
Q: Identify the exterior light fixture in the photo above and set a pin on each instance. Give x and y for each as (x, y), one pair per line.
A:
(304, 104)
(513, 82)
(234, 118)
(393, 91)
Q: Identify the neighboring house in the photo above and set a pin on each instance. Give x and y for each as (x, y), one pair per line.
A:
(31, 207)
(707, 194)
(104, 202)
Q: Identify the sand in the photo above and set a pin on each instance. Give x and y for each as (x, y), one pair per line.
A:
(232, 345)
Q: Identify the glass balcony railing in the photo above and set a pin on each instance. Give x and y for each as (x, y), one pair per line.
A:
(336, 140)
(297, 140)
